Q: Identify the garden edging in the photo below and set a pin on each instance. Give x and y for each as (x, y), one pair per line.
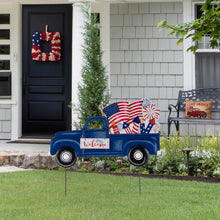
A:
(158, 176)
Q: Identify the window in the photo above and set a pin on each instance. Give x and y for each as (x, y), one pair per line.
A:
(95, 125)
(207, 61)
(5, 84)
(207, 70)
(4, 49)
(5, 73)
(4, 34)
(4, 19)
(204, 44)
(4, 64)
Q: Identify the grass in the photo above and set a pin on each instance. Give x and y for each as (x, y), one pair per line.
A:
(40, 194)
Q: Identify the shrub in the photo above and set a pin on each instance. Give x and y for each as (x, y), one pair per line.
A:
(204, 160)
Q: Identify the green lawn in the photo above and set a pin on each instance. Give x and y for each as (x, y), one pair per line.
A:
(40, 195)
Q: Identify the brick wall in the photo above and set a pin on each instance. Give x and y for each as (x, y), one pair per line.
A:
(144, 61)
(5, 121)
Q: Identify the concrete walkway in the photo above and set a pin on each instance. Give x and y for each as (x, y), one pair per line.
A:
(7, 148)
(7, 169)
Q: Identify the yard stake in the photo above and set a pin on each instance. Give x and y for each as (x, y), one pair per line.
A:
(139, 181)
(65, 181)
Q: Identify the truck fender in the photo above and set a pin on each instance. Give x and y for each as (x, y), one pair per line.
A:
(57, 144)
(151, 146)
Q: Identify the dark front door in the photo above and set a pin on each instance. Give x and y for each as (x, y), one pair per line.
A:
(46, 84)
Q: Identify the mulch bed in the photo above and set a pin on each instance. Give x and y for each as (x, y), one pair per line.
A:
(155, 176)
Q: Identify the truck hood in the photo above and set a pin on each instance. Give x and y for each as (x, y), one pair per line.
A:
(68, 134)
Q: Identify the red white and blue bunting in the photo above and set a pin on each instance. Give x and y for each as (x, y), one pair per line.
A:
(54, 38)
(133, 118)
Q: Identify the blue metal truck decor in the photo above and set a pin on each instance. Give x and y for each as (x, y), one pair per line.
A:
(89, 142)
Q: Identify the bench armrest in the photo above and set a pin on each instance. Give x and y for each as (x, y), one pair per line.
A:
(175, 107)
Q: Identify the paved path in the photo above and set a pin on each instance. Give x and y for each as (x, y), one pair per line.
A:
(7, 148)
(6, 169)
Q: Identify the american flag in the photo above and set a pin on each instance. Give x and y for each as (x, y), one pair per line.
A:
(116, 112)
(135, 109)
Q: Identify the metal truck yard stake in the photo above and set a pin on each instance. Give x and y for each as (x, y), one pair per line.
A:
(127, 130)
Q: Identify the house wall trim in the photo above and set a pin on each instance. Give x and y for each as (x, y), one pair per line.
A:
(189, 58)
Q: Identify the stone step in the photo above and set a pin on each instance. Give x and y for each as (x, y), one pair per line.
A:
(29, 161)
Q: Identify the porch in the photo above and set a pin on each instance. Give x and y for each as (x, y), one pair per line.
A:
(18, 156)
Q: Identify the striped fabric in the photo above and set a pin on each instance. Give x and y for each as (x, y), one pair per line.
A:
(135, 109)
(116, 113)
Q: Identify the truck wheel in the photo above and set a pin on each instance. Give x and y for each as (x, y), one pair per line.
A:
(204, 115)
(138, 156)
(66, 157)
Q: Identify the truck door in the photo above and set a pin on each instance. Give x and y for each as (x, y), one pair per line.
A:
(95, 136)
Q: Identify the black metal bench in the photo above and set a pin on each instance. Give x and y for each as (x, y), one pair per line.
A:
(194, 95)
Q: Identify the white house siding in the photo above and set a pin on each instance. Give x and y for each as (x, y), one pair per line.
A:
(5, 121)
(5, 104)
(144, 61)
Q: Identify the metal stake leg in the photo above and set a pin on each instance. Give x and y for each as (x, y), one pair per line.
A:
(139, 181)
(65, 181)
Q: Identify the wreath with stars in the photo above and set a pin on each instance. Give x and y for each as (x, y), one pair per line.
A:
(55, 40)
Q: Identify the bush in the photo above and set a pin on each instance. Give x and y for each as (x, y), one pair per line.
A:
(204, 160)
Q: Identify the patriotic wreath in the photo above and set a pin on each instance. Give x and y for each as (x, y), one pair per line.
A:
(54, 38)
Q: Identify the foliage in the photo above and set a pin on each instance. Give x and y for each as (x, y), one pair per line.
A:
(103, 164)
(204, 160)
(40, 194)
(93, 90)
(207, 24)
